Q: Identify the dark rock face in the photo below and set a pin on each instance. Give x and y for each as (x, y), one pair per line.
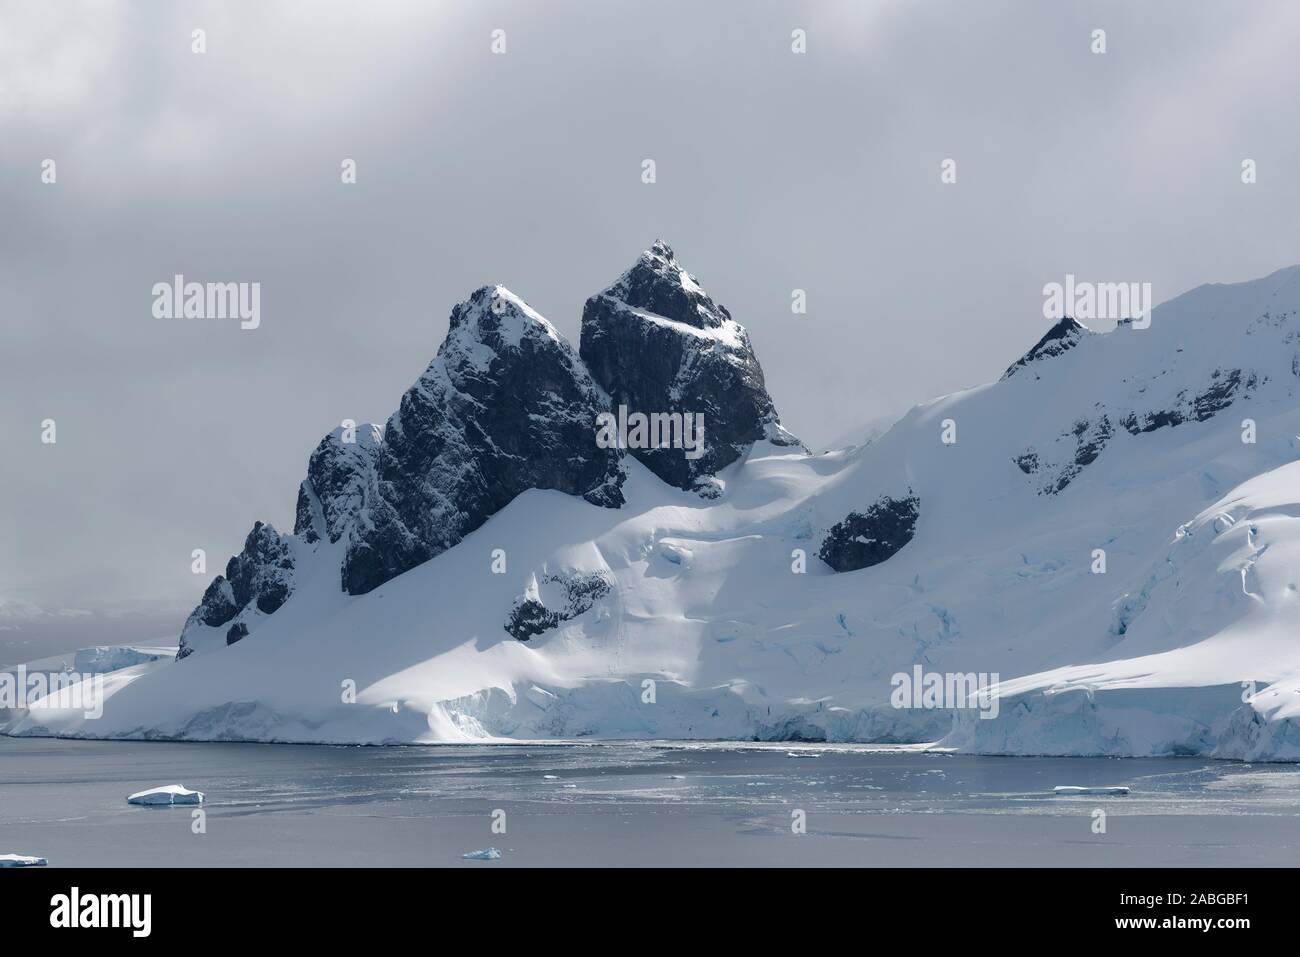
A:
(1090, 436)
(868, 538)
(261, 576)
(1065, 335)
(263, 572)
(237, 631)
(1224, 388)
(656, 343)
(218, 605)
(572, 595)
(340, 473)
(505, 407)
(530, 617)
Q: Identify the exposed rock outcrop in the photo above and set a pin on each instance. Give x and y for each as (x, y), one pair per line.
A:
(657, 343)
(1057, 464)
(505, 407)
(1089, 437)
(868, 538)
(1224, 387)
(552, 601)
(258, 579)
(1062, 337)
(340, 474)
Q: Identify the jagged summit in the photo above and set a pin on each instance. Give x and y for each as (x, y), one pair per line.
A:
(257, 582)
(657, 284)
(339, 474)
(1063, 336)
(657, 343)
(506, 406)
(498, 318)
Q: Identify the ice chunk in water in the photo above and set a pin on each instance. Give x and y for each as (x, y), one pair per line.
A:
(167, 794)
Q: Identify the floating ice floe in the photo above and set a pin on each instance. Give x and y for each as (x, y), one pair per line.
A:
(491, 854)
(21, 860)
(1068, 789)
(167, 794)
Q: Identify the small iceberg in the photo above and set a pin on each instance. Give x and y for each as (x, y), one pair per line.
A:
(21, 860)
(167, 794)
(491, 854)
(1068, 789)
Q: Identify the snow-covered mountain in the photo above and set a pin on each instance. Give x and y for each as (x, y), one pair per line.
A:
(1111, 532)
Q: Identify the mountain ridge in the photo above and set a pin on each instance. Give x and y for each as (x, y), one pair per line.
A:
(1128, 506)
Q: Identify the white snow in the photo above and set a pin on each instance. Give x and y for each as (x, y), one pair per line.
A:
(517, 317)
(167, 794)
(489, 854)
(1184, 645)
(76, 674)
(729, 333)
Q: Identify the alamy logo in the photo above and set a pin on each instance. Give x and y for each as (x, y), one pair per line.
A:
(209, 300)
(658, 430)
(74, 909)
(1098, 300)
(65, 690)
(947, 691)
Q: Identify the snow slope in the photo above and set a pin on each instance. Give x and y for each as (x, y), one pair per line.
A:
(1130, 442)
(123, 662)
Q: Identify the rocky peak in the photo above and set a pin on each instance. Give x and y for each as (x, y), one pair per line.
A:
(496, 318)
(504, 407)
(507, 405)
(257, 580)
(339, 474)
(1063, 336)
(657, 343)
(657, 284)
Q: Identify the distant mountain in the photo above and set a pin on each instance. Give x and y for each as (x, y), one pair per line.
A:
(1110, 533)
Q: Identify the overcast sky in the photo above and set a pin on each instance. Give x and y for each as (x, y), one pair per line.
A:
(775, 171)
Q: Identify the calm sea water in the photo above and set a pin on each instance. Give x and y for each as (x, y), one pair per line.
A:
(633, 804)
